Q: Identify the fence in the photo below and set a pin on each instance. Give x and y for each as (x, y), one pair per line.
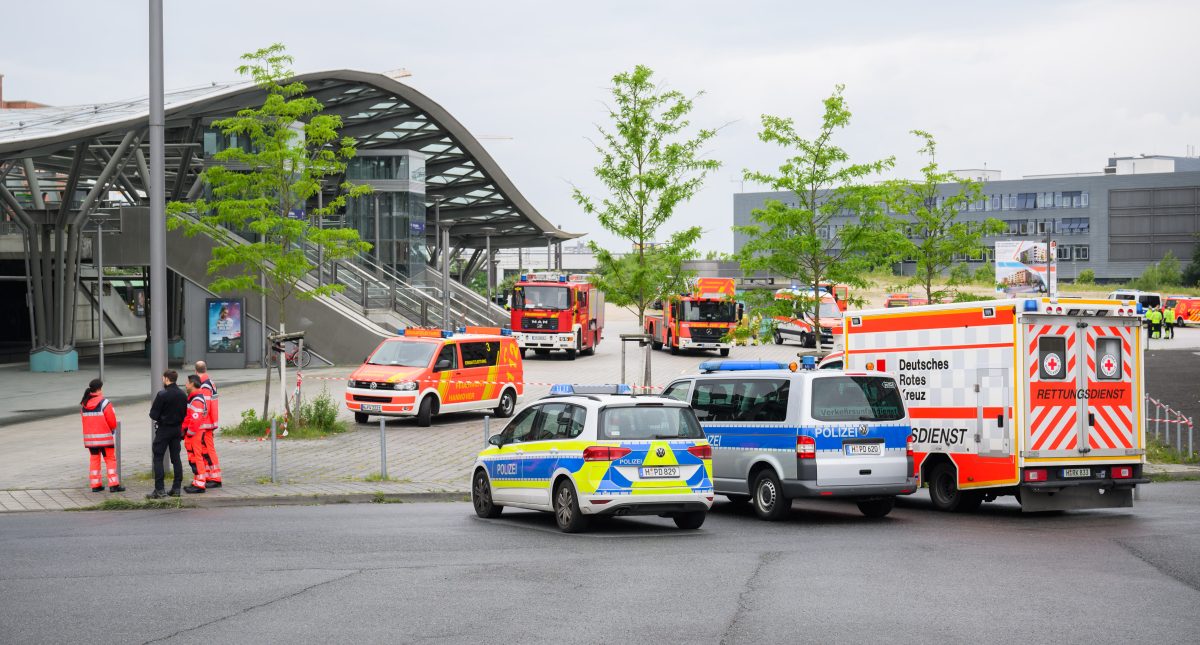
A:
(1167, 422)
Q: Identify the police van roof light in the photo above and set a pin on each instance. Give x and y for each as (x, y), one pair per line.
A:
(569, 389)
(740, 366)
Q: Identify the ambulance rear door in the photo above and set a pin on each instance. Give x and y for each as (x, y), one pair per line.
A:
(1107, 386)
(1054, 364)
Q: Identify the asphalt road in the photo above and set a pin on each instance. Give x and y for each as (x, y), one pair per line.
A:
(435, 573)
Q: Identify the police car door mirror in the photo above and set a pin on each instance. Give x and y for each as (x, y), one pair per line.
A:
(496, 440)
(442, 365)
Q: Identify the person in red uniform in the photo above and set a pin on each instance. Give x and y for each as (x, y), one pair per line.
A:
(208, 445)
(193, 432)
(99, 426)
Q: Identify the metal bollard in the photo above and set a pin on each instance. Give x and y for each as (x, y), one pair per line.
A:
(382, 450)
(120, 459)
(274, 460)
(1178, 432)
(487, 430)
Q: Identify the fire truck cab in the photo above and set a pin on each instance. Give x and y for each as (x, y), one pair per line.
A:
(555, 311)
(1041, 398)
(700, 320)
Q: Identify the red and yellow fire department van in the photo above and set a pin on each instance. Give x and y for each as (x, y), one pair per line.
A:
(553, 311)
(1037, 398)
(700, 320)
(425, 372)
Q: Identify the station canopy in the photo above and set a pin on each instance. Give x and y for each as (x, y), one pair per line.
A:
(75, 143)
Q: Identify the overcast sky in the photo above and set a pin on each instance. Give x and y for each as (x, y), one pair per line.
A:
(1023, 87)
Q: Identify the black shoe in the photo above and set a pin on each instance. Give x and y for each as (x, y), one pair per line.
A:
(97, 489)
(216, 484)
(158, 494)
(174, 492)
(116, 489)
(193, 489)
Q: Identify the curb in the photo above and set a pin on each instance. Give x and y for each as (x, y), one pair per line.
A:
(317, 499)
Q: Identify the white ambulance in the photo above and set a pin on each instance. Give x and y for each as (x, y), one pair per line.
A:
(1037, 398)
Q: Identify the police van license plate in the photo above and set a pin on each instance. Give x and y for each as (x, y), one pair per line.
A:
(660, 472)
(1077, 472)
(855, 449)
(371, 407)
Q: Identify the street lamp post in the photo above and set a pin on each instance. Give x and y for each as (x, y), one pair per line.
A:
(100, 283)
(158, 207)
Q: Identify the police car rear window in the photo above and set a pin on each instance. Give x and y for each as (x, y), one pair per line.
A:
(649, 422)
(856, 398)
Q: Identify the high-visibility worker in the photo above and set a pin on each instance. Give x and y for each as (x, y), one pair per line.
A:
(193, 432)
(1169, 321)
(208, 445)
(1155, 318)
(99, 428)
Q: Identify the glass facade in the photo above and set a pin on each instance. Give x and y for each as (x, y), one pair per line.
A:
(392, 218)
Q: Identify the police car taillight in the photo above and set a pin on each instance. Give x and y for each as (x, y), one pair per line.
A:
(806, 447)
(1122, 472)
(908, 449)
(604, 453)
(701, 452)
(1035, 475)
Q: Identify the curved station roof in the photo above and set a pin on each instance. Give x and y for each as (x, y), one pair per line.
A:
(379, 112)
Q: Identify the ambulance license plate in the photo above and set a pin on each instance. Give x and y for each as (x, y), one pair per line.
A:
(371, 407)
(660, 472)
(1077, 472)
(856, 449)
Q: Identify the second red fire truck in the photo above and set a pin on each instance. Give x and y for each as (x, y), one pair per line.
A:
(555, 311)
(701, 320)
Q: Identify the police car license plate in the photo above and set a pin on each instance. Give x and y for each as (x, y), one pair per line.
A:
(1077, 472)
(657, 472)
(854, 449)
(371, 407)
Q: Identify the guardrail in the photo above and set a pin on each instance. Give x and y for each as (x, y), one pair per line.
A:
(1168, 421)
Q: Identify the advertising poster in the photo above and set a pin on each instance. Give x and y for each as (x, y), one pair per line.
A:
(224, 326)
(1021, 266)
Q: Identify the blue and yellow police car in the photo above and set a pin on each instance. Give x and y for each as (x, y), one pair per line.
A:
(585, 451)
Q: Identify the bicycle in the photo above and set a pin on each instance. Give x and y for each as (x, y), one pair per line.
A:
(292, 354)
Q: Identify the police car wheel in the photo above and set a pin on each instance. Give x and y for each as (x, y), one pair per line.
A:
(876, 507)
(690, 521)
(508, 403)
(425, 412)
(769, 502)
(566, 510)
(481, 497)
(361, 417)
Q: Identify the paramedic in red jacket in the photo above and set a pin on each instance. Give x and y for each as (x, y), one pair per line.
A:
(208, 446)
(99, 426)
(193, 432)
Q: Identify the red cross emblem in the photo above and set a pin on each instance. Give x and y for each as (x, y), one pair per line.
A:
(1108, 365)
(1053, 364)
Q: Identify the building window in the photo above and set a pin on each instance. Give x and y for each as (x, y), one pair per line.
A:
(1084, 203)
(1064, 252)
(1072, 199)
(1026, 201)
(1082, 252)
(996, 201)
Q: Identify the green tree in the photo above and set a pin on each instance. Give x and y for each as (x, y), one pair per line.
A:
(804, 240)
(292, 148)
(650, 164)
(936, 235)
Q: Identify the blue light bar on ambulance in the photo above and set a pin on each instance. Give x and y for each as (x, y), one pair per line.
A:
(1031, 305)
(568, 389)
(740, 366)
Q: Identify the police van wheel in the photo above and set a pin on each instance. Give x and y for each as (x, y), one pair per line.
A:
(689, 521)
(946, 495)
(566, 510)
(425, 412)
(508, 403)
(877, 507)
(769, 501)
(361, 417)
(481, 497)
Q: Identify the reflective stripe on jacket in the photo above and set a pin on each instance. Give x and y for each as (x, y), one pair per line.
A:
(196, 420)
(99, 421)
(210, 393)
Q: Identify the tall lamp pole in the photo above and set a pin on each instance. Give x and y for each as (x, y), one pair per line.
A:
(158, 216)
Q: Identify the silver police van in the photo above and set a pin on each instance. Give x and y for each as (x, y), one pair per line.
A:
(778, 434)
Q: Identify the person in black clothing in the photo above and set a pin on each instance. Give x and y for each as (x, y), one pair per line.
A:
(167, 412)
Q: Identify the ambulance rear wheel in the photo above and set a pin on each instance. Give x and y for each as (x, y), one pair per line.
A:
(361, 417)
(877, 507)
(566, 509)
(425, 412)
(946, 495)
(481, 497)
(690, 521)
(769, 501)
(508, 403)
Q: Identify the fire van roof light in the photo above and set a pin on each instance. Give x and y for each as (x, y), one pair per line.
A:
(740, 366)
(569, 389)
(424, 332)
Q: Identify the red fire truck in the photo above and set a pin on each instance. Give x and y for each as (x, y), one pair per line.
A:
(697, 321)
(1039, 398)
(555, 311)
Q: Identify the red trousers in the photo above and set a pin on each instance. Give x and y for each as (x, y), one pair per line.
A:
(110, 461)
(195, 451)
(208, 450)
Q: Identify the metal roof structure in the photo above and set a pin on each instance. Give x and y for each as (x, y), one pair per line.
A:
(70, 147)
